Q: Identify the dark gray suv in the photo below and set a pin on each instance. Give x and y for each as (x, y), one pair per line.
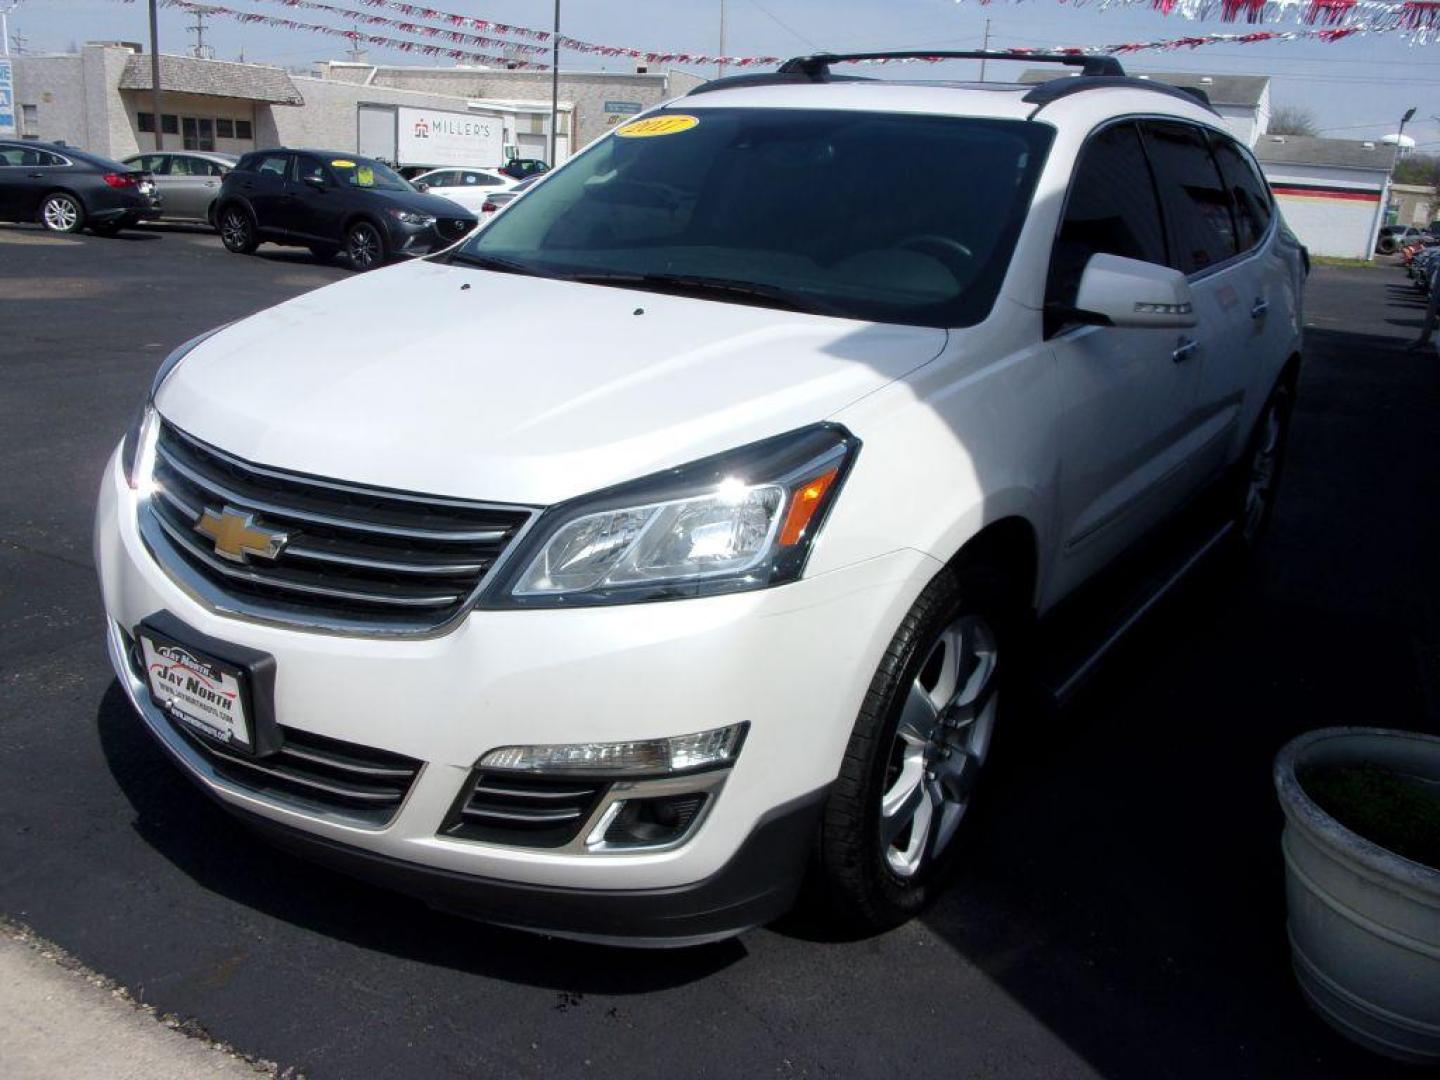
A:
(330, 201)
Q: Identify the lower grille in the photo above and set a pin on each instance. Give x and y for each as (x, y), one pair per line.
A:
(516, 808)
(312, 772)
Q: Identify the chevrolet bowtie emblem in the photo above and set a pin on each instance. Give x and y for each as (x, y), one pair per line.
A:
(236, 536)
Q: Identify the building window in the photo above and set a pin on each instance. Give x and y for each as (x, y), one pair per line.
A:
(29, 121)
(224, 129)
(145, 121)
(169, 125)
(243, 130)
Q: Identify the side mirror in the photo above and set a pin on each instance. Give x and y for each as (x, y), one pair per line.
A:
(1116, 291)
(420, 185)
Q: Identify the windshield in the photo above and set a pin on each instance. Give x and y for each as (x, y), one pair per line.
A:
(801, 209)
(363, 173)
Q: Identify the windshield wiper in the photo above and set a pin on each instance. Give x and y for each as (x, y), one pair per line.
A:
(494, 262)
(700, 285)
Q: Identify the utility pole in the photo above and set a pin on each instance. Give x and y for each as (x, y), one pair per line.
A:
(6, 7)
(199, 50)
(554, 85)
(357, 54)
(984, 47)
(720, 68)
(155, 74)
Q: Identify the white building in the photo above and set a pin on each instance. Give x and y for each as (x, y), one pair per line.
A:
(1333, 192)
(99, 99)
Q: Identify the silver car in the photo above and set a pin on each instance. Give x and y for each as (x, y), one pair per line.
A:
(189, 181)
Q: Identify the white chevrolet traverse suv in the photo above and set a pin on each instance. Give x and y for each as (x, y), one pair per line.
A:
(667, 540)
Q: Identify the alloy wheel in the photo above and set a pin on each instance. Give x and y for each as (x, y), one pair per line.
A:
(61, 213)
(364, 247)
(941, 742)
(235, 230)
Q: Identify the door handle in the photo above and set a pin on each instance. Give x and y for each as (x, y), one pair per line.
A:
(36, 175)
(1184, 350)
(1259, 308)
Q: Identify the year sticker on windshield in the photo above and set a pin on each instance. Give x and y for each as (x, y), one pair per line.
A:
(657, 125)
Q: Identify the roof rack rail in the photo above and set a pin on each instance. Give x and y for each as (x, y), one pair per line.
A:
(1046, 92)
(817, 66)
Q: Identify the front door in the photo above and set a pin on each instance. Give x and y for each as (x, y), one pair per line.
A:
(264, 189)
(314, 203)
(1126, 394)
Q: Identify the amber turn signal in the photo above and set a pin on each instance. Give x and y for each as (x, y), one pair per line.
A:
(804, 501)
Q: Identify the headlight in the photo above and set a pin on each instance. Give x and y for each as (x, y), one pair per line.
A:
(741, 520)
(410, 217)
(137, 451)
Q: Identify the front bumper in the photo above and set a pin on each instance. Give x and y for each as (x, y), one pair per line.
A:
(793, 661)
(416, 240)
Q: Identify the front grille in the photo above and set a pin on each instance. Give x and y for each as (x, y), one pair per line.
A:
(356, 557)
(313, 773)
(453, 228)
(517, 808)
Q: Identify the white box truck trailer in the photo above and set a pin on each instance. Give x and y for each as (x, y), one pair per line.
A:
(430, 138)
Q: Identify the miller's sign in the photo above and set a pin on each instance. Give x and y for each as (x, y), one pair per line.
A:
(436, 137)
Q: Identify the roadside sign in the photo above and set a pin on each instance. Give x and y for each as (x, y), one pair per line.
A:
(625, 108)
(7, 98)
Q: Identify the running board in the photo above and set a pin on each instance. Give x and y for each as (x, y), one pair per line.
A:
(1063, 673)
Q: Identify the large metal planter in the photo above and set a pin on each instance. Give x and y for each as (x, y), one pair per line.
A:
(1364, 923)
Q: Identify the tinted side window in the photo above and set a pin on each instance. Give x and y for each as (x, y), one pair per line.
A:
(1202, 231)
(442, 179)
(309, 168)
(271, 165)
(1248, 192)
(1112, 209)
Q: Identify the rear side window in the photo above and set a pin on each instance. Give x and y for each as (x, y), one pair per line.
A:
(481, 180)
(271, 165)
(1201, 228)
(1112, 209)
(1248, 192)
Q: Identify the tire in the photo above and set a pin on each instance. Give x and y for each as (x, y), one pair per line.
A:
(324, 252)
(365, 246)
(1261, 467)
(873, 868)
(62, 212)
(1387, 245)
(237, 230)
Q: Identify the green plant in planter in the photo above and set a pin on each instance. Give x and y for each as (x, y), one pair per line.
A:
(1401, 813)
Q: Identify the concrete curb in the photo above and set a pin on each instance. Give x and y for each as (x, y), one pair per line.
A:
(58, 1018)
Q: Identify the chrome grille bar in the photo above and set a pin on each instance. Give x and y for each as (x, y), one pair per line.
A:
(346, 557)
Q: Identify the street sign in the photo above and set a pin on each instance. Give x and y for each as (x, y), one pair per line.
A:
(626, 108)
(7, 98)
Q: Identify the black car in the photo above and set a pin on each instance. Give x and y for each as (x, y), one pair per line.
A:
(327, 201)
(67, 190)
(524, 168)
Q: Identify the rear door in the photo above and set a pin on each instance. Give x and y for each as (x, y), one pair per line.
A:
(1205, 245)
(1127, 401)
(39, 172)
(264, 189)
(1262, 278)
(190, 187)
(12, 179)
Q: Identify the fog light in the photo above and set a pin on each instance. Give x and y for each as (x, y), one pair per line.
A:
(651, 822)
(650, 757)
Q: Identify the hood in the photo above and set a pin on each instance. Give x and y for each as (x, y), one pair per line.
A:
(474, 384)
(422, 202)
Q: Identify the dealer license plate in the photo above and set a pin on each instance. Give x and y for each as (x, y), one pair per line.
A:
(197, 690)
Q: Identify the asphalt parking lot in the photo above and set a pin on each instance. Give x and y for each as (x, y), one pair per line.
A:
(1120, 910)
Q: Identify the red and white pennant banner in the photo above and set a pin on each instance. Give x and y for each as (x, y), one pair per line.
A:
(1417, 20)
(453, 36)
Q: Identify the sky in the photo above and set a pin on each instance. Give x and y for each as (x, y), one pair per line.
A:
(1357, 88)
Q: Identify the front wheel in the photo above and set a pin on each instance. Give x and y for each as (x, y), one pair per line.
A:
(61, 212)
(237, 231)
(915, 754)
(364, 246)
